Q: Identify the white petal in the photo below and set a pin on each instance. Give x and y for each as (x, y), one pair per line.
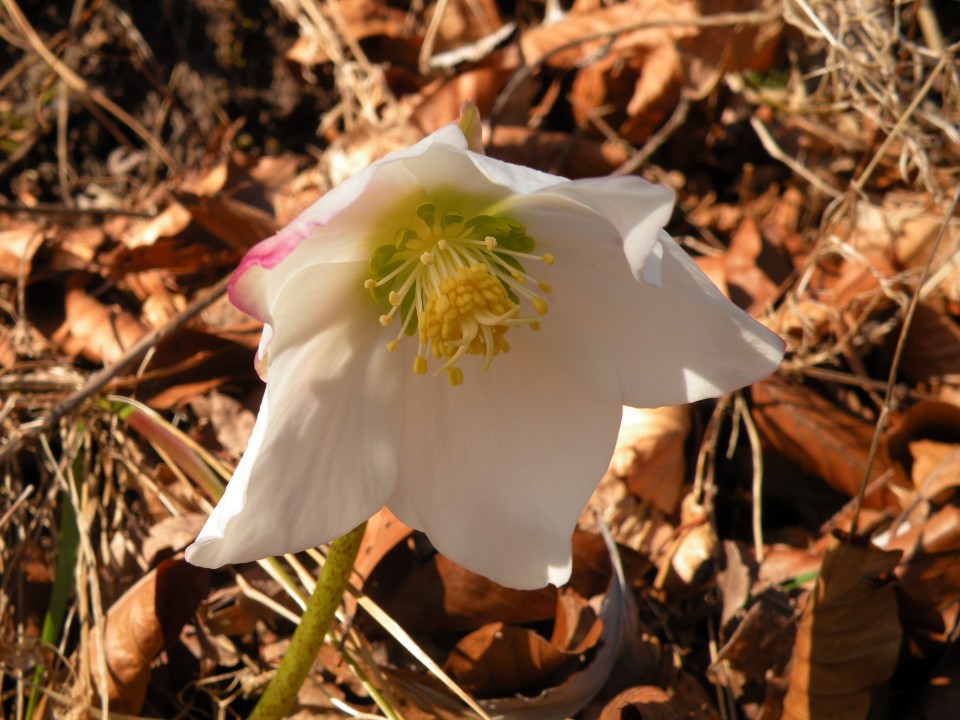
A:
(636, 209)
(446, 168)
(336, 227)
(323, 454)
(679, 342)
(497, 470)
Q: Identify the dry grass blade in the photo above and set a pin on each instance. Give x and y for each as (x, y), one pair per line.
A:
(99, 380)
(79, 85)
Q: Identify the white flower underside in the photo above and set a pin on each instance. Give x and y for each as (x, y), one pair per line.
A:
(496, 470)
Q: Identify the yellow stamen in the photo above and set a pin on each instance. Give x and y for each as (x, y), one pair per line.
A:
(461, 292)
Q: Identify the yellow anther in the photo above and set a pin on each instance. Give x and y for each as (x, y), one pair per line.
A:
(369, 283)
(545, 286)
(548, 259)
(420, 365)
(442, 245)
(393, 345)
(540, 305)
(490, 242)
(454, 376)
(518, 276)
(426, 258)
(385, 319)
(394, 297)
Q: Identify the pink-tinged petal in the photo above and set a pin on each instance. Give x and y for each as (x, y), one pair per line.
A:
(677, 342)
(337, 227)
(497, 470)
(323, 456)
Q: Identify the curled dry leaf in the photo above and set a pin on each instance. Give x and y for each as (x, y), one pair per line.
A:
(930, 571)
(145, 620)
(18, 244)
(925, 449)
(931, 352)
(618, 617)
(498, 659)
(848, 638)
(759, 647)
(440, 596)
(97, 332)
(646, 702)
(753, 268)
(821, 438)
(649, 453)
(689, 552)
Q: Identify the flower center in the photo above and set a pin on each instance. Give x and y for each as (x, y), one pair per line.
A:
(458, 284)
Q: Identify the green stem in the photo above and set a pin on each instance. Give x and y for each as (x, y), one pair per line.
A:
(281, 693)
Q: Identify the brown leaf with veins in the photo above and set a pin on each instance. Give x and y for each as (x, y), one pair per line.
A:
(142, 623)
(499, 660)
(94, 330)
(848, 638)
(821, 438)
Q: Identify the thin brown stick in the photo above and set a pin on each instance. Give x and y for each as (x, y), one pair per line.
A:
(97, 381)
(895, 364)
(655, 141)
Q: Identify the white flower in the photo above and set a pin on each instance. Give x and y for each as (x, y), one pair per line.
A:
(486, 427)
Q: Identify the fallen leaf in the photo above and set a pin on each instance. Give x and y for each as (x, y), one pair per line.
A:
(437, 595)
(146, 619)
(618, 615)
(812, 432)
(19, 242)
(498, 660)
(99, 333)
(649, 454)
(924, 446)
(848, 638)
(646, 702)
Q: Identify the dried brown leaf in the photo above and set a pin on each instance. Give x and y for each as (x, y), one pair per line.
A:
(440, 596)
(498, 660)
(98, 332)
(144, 621)
(848, 638)
(821, 438)
(18, 244)
(646, 702)
(924, 446)
(649, 454)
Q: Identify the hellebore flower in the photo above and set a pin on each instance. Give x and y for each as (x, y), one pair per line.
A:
(454, 337)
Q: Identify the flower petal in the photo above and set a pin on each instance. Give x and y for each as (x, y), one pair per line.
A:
(323, 455)
(334, 228)
(636, 209)
(447, 167)
(497, 470)
(680, 342)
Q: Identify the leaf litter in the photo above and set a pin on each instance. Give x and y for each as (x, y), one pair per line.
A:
(790, 549)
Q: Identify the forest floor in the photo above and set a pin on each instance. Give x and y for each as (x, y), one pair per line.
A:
(791, 550)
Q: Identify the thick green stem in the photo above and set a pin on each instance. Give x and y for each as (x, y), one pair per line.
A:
(281, 693)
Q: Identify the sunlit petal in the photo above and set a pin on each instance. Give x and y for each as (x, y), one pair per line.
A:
(497, 472)
(323, 456)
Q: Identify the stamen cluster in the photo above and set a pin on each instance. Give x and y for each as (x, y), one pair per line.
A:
(458, 284)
